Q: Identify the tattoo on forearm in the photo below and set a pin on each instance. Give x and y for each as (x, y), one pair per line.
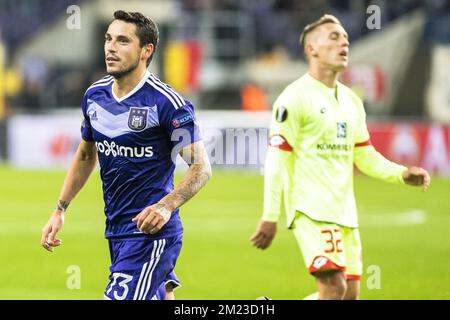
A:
(196, 177)
(62, 205)
(195, 180)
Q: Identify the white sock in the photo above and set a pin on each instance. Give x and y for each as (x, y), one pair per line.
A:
(313, 296)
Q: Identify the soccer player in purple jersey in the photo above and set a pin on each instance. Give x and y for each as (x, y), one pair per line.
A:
(135, 125)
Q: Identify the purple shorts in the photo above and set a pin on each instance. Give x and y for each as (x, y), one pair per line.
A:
(141, 268)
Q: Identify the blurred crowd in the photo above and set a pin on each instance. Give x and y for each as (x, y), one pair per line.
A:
(272, 18)
(278, 24)
(21, 19)
(47, 86)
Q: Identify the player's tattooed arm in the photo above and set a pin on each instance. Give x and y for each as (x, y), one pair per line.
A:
(153, 218)
(196, 177)
(62, 205)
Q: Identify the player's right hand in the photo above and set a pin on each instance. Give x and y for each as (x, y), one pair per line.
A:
(153, 218)
(417, 176)
(265, 232)
(54, 224)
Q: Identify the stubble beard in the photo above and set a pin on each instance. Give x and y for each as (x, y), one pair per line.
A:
(122, 73)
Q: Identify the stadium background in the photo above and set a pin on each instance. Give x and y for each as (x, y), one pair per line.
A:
(231, 58)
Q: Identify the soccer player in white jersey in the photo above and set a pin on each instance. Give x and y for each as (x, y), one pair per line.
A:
(135, 125)
(318, 132)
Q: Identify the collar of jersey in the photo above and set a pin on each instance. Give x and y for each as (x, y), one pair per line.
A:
(135, 89)
(323, 86)
(319, 83)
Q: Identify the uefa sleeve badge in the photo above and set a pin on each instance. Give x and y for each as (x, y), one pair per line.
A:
(281, 114)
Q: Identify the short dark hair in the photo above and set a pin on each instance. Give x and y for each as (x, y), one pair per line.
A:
(146, 29)
(326, 18)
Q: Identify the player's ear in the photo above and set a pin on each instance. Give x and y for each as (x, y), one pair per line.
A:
(147, 51)
(310, 50)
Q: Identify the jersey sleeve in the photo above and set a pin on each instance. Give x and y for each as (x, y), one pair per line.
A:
(280, 155)
(362, 135)
(86, 128)
(369, 160)
(180, 124)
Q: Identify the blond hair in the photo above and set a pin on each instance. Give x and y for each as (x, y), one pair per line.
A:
(326, 18)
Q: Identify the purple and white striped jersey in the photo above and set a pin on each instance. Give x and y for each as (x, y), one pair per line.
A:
(135, 137)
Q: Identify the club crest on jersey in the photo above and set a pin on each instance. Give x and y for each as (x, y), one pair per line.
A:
(341, 129)
(137, 119)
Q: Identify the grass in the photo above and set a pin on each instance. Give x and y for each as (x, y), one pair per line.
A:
(403, 232)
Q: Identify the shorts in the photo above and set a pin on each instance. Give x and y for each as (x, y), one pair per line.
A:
(327, 246)
(141, 268)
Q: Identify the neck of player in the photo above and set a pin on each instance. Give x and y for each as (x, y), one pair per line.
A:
(123, 85)
(327, 76)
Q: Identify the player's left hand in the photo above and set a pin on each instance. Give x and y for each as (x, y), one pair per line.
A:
(153, 218)
(416, 176)
(264, 234)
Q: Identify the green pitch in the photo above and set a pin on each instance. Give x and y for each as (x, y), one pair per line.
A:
(404, 234)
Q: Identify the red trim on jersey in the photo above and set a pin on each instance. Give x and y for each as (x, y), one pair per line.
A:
(321, 263)
(353, 277)
(364, 143)
(280, 142)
